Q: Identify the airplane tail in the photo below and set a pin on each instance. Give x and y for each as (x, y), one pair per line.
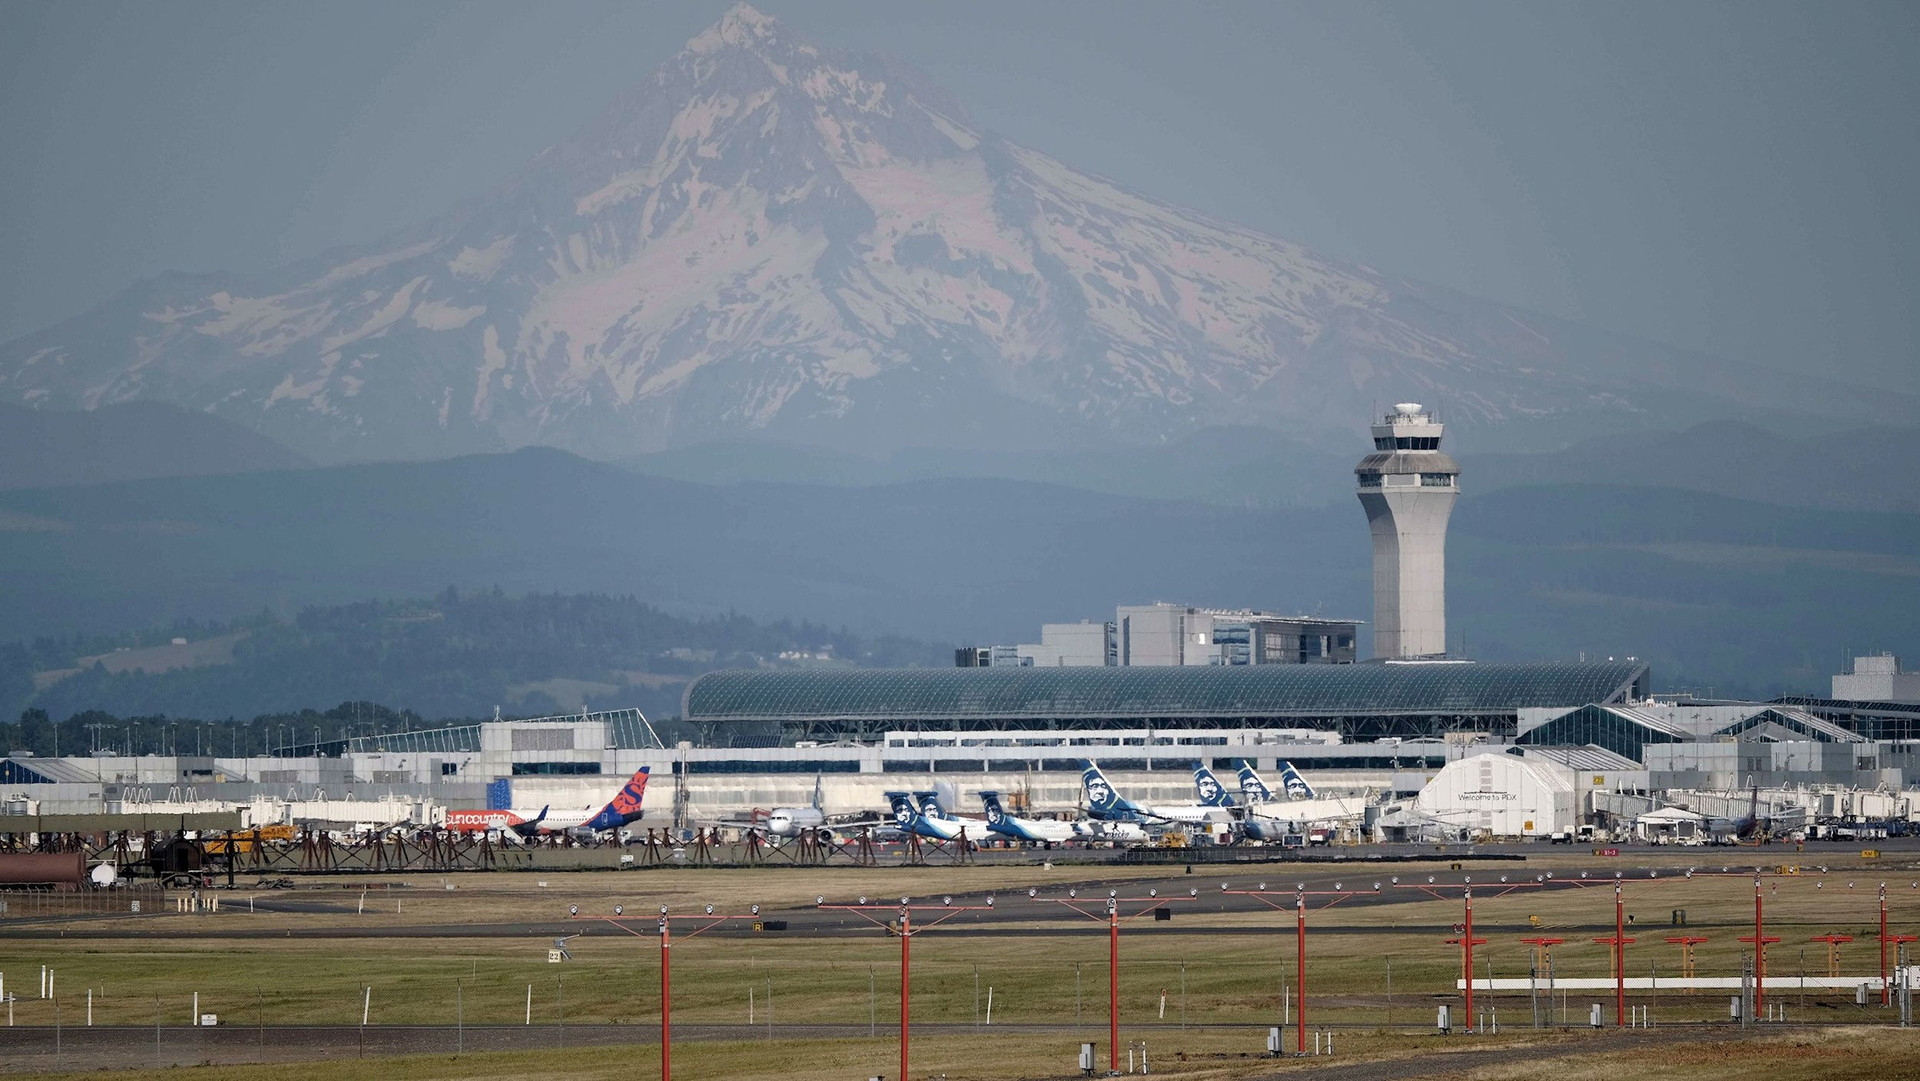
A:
(1296, 785)
(532, 825)
(995, 814)
(1252, 788)
(930, 805)
(1102, 800)
(625, 805)
(904, 814)
(1208, 787)
(819, 795)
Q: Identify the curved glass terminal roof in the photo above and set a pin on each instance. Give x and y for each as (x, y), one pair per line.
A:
(1019, 694)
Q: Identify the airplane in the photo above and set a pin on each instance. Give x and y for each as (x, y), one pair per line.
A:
(1106, 805)
(1256, 791)
(930, 807)
(1093, 829)
(1036, 830)
(1751, 828)
(910, 819)
(787, 822)
(1208, 787)
(1265, 818)
(622, 809)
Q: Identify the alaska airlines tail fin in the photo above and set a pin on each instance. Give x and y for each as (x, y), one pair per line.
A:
(819, 795)
(1296, 785)
(1102, 800)
(995, 814)
(625, 805)
(904, 814)
(1208, 787)
(930, 805)
(1252, 788)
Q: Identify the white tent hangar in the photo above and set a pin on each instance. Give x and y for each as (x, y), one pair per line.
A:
(1499, 794)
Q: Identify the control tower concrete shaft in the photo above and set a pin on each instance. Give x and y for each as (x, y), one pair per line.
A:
(1408, 487)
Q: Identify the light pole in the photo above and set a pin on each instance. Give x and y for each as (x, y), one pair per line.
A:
(1300, 893)
(1760, 939)
(707, 921)
(1466, 940)
(1113, 919)
(905, 909)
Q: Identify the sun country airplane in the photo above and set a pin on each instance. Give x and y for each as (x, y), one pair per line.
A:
(622, 809)
(1036, 830)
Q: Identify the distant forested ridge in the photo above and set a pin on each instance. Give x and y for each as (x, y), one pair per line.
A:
(455, 655)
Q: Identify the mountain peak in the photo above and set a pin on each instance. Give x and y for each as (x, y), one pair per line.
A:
(772, 239)
(743, 26)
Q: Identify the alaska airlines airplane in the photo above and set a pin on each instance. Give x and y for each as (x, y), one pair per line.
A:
(1208, 787)
(1107, 805)
(619, 811)
(1255, 790)
(1092, 829)
(1036, 830)
(912, 820)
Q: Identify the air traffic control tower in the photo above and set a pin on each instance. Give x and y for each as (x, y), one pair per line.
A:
(1408, 487)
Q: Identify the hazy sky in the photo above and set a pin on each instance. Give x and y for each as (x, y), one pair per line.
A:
(1739, 178)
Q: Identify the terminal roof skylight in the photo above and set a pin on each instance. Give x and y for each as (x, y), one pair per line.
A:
(1143, 692)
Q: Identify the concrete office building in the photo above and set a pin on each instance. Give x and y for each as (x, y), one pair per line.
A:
(1877, 679)
(1163, 635)
(1408, 487)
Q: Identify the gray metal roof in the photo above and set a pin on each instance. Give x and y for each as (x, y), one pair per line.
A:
(1014, 694)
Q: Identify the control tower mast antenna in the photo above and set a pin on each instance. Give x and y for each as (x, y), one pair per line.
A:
(1407, 487)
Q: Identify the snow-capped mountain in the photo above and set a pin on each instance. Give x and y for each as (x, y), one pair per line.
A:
(767, 238)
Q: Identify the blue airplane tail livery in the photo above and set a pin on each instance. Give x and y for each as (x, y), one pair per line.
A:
(996, 815)
(930, 805)
(1252, 788)
(1103, 801)
(1296, 785)
(1208, 787)
(624, 807)
(904, 814)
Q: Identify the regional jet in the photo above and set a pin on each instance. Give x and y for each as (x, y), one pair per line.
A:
(1036, 830)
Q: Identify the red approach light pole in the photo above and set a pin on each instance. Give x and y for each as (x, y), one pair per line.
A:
(1300, 894)
(1686, 944)
(708, 921)
(1833, 950)
(1760, 939)
(906, 931)
(1113, 917)
(1466, 940)
(1619, 943)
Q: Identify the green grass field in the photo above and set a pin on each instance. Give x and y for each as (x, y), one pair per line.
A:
(1376, 970)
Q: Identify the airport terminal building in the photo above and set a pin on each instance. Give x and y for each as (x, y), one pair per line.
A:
(1359, 702)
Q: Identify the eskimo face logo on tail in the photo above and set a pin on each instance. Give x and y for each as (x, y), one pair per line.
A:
(1297, 786)
(1099, 793)
(902, 809)
(1252, 787)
